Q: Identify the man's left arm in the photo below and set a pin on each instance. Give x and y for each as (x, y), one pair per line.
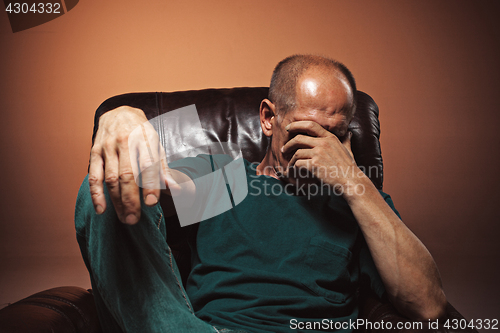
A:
(405, 265)
(409, 273)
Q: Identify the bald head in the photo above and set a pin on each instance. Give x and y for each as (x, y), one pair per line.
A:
(286, 75)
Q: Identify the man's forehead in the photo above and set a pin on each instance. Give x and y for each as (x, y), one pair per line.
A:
(321, 88)
(324, 76)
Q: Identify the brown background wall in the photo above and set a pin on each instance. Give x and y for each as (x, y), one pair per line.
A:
(432, 66)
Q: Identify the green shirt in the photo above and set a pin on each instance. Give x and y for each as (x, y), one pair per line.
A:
(276, 257)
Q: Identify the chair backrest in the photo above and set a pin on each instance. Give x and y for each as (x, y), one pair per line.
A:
(232, 115)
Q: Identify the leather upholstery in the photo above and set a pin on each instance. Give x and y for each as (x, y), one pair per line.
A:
(232, 115)
(62, 309)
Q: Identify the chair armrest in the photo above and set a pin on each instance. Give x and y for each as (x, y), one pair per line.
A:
(57, 310)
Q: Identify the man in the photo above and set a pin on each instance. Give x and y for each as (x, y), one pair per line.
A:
(270, 259)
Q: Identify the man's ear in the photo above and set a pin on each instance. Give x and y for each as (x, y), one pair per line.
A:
(267, 117)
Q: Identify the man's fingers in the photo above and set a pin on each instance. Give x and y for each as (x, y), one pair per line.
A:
(129, 196)
(111, 162)
(347, 143)
(300, 163)
(308, 127)
(149, 164)
(128, 189)
(96, 178)
(171, 184)
(150, 177)
(301, 154)
(298, 142)
(111, 177)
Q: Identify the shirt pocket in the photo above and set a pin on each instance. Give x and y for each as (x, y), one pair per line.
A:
(327, 270)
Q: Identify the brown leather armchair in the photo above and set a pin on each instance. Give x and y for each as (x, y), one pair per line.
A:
(226, 115)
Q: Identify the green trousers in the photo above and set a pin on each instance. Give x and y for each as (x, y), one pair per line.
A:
(135, 280)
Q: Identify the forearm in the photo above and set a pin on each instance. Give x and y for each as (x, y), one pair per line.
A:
(405, 265)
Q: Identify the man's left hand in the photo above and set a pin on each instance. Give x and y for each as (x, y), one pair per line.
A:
(322, 153)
